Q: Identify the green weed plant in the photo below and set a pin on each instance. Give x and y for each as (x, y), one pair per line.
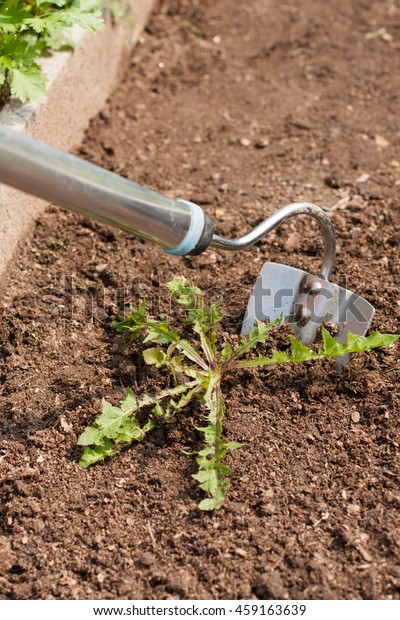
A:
(31, 28)
(198, 367)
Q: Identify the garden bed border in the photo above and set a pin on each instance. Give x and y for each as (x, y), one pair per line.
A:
(79, 83)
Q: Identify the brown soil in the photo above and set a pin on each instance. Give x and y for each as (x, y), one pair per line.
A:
(291, 103)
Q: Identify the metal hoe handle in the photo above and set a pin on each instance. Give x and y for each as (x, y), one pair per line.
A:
(180, 227)
(297, 208)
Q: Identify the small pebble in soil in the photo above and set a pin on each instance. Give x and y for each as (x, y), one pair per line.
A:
(354, 509)
(261, 143)
(363, 178)
(355, 417)
(381, 142)
(292, 243)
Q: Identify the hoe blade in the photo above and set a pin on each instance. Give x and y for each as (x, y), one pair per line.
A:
(306, 302)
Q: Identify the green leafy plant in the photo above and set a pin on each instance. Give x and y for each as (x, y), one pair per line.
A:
(198, 368)
(28, 29)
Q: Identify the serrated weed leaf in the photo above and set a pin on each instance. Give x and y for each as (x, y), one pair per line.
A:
(130, 402)
(226, 353)
(134, 323)
(202, 317)
(301, 353)
(331, 346)
(257, 335)
(28, 82)
(154, 356)
(97, 454)
(280, 357)
(118, 425)
(30, 28)
(198, 370)
(213, 474)
(212, 503)
(186, 294)
(160, 332)
(90, 436)
(355, 343)
(366, 343)
(233, 445)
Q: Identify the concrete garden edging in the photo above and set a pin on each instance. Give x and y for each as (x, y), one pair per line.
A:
(79, 83)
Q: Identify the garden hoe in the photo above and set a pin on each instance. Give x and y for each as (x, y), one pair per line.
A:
(181, 228)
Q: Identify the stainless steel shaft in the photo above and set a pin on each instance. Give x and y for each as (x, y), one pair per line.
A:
(180, 227)
(68, 181)
(296, 208)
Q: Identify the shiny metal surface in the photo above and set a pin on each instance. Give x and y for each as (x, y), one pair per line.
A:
(75, 184)
(306, 303)
(297, 208)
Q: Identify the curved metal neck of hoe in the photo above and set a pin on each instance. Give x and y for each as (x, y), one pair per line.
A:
(297, 208)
